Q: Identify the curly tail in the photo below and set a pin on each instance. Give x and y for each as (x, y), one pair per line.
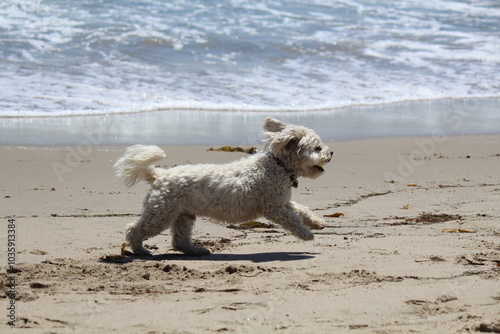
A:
(137, 164)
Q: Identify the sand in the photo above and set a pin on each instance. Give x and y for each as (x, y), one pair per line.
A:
(415, 247)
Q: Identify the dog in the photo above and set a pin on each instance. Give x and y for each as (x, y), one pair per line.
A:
(243, 190)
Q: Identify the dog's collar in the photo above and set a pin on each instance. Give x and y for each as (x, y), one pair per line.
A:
(291, 174)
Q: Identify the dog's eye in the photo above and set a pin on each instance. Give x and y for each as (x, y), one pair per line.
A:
(318, 148)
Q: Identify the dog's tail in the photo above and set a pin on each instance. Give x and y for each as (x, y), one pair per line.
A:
(137, 164)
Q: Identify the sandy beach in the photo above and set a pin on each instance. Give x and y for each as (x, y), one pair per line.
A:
(414, 246)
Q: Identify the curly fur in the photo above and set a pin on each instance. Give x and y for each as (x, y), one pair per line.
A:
(257, 186)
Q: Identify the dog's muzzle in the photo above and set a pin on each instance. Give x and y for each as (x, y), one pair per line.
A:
(320, 166)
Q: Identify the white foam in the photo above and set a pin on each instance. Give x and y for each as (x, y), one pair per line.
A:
(121, 57)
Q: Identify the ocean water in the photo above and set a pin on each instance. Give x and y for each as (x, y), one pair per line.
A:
(227, 59)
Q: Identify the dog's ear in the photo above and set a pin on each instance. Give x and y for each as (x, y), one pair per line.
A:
(273, 125)
(287, 141)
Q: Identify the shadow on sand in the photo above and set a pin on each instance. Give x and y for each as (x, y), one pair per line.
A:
(254, 257)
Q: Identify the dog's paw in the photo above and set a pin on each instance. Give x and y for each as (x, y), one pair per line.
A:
(141, 251)
(305, 234)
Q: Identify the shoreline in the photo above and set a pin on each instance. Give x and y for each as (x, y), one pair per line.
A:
(190, 107)
(423, 118)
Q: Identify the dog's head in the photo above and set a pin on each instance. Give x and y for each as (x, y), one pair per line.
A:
(299, 148)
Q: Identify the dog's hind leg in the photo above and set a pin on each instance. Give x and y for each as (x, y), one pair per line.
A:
(144, 229)
(181, 236)
(135, 234)
(308, 217)
(151, 223)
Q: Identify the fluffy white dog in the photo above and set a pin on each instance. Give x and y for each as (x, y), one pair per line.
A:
(257, 186)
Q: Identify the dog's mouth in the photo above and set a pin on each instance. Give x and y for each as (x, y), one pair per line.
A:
(319, 167)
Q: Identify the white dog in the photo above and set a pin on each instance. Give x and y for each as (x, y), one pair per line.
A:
(257, 186)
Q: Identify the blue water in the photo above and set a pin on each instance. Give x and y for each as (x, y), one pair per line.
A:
(93, 57)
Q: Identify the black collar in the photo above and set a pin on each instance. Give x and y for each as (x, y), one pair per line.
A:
(280, 163)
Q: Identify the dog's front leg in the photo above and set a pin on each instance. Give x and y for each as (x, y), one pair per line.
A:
(290, 221)
(308, 217)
